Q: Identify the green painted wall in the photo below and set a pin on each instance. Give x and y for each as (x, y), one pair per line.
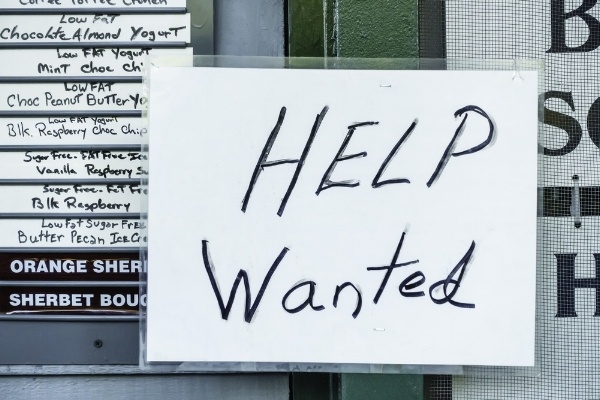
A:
(305, 28)
(321, 386)
(380, 387)
(377, 28)
(353, 28)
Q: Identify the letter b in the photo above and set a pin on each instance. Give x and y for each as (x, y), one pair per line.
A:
(558, 28)
(105, 300)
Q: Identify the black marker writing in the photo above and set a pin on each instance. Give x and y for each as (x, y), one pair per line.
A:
(326, 183)
(412, 281)
(59, 34)
(445, 283)
(263, 163)
(242, 275)
(151, 35)
(338, 290)
(448, 286)
(376, 183)
(394, 264)
(306, 303)
(450, 149)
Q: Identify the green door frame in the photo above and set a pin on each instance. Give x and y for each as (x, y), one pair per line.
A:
(369, 29)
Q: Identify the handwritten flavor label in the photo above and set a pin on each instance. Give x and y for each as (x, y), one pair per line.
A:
(95, 62)
(103, 215)
(91, 4)
(64, 130)
(15, 300)
(72, 232)
(72, 266)
(84, 164)
(82, 28)
(362, 216)
(76, 198)
(67, 96)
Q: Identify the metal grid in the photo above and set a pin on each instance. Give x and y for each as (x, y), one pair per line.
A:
(566, 34)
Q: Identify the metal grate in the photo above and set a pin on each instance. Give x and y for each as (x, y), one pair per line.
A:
(566, 34)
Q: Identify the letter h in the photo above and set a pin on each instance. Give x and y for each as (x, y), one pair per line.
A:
(566, 283)
(263, 163)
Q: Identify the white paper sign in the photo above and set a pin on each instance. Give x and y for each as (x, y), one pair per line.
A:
(342, 216)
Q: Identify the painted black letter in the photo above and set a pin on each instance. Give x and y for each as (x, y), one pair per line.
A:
(558, 31)
(593, 122)
(563, 122)
(566, 283)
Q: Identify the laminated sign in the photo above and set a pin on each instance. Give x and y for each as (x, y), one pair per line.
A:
(342, 216)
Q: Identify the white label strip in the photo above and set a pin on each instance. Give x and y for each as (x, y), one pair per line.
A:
(92, 199)
(88, 164)
(71, 131)
(79, 62)
(71, 96)
(94, 28)
(91, 4)
(72, 232)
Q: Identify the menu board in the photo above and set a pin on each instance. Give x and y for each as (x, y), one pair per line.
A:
(70, 134)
